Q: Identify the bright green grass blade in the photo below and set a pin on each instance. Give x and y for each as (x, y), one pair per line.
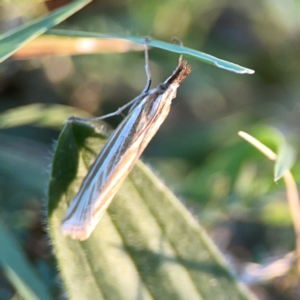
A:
(147, 246)
(41, 115)
(220, 63)
(14, 39)
(18, 270)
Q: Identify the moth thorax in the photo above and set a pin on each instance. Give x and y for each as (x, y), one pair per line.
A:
(162, 87)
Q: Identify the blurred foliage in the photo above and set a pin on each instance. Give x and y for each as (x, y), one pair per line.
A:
(15, 39)
(221, 179)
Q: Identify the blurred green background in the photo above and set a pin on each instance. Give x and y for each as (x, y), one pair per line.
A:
(226, 183)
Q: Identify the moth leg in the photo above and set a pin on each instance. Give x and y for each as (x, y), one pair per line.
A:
(115, 113)
(148, 73)
(135, 100)
(147, 67)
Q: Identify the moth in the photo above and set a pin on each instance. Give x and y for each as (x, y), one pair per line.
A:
(123, 148)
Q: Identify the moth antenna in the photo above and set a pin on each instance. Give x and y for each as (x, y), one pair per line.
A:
(180, 43)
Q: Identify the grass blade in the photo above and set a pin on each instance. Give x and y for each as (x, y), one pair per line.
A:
(220, 63)
(14, 39)
(18, 270)
(41, 115)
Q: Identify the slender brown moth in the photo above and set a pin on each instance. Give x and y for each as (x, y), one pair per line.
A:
(123, 148)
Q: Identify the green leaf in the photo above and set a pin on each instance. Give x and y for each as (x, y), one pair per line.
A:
(14, 39)
(147, 246)
(220, 63)
(286, 156)
(285, 160)
(18, 270)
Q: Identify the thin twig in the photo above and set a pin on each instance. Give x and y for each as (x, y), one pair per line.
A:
(291, 190)
(293, 200)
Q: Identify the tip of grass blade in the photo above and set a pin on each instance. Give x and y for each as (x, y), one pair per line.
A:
(248, 71)
(233, 67)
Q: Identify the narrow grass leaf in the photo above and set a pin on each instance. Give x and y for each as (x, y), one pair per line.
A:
(18, 270)
(220, 63)
(14, 39)
(41, 115)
